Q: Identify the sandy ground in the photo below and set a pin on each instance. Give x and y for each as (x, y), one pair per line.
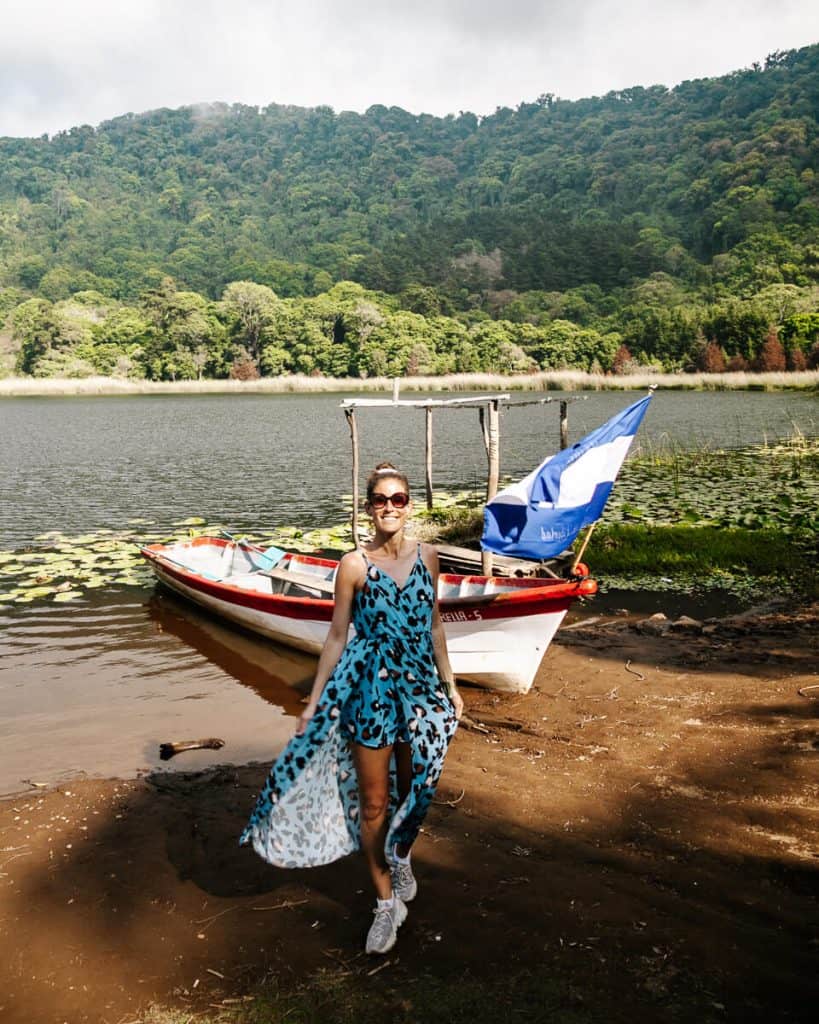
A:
(642, 826)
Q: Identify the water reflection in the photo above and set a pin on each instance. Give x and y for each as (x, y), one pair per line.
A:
(96, 687)
(277, 674)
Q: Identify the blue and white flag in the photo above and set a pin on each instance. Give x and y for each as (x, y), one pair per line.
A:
(541, 515)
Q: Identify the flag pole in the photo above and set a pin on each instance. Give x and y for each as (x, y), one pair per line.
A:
(582, 550)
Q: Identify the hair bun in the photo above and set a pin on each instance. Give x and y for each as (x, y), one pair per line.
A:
(382, 471)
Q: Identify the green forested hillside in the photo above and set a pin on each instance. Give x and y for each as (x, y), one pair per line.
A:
(553, 234)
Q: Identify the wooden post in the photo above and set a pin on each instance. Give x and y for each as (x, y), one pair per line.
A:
(491, 426)
(484, 429)
(493, 453)
(564, 425)
(350, 414)
(428, 454)
(396, 384)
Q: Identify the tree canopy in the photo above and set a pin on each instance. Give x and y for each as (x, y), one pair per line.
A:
(550, 234)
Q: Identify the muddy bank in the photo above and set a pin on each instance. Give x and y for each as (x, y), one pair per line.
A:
(640, 831)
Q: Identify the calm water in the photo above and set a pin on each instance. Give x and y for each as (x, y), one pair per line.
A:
(94, 686)
(260, 461)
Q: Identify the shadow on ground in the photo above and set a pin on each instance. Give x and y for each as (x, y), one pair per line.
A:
(645, 845)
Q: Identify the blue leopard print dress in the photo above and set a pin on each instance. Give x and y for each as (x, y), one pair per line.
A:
(385, 688)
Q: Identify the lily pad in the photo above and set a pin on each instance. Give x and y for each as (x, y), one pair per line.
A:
(34, 592)
(68, 595)
(58, 567)
(33, 582)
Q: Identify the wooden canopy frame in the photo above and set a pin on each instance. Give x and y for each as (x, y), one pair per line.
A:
(488, 409)
(489, 416)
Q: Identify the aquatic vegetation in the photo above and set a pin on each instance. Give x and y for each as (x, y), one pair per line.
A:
(760, 487)
(61, 568)
(293, 383)
(743, 521)
(685, 520)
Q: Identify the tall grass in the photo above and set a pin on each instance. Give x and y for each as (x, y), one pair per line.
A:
(557, 380)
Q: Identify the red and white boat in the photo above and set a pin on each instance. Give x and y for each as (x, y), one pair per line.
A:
(497, 627)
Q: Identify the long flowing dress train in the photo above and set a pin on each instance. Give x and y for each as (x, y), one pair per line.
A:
(384, 689)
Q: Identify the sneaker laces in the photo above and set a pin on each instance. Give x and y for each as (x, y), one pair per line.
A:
(383, 925)
(402, 874)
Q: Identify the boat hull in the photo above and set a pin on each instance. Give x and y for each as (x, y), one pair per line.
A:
(497, 630)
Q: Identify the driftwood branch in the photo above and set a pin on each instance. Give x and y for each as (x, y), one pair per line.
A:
(451, 803)
(169, 750)
(469, 723)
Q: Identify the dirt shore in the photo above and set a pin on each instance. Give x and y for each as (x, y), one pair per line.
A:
(640, 830)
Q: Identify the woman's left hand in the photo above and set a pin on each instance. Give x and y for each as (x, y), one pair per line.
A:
(457, 702)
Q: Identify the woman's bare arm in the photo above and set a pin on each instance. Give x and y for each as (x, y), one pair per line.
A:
(430, 557)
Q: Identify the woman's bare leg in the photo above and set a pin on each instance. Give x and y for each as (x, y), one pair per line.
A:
(403, 768)
(373, 769)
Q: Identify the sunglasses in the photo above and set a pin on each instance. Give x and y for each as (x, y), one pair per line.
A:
(398, 500)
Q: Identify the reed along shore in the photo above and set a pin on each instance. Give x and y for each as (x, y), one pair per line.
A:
(559, 380)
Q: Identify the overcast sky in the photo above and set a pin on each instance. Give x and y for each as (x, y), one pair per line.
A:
(69, 62)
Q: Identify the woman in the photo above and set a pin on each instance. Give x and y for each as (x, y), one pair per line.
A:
(369, 747)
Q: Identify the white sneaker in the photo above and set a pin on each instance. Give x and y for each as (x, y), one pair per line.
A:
(383, 931)
(403, 880)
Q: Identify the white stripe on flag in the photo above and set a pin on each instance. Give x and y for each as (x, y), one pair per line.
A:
(596, 466)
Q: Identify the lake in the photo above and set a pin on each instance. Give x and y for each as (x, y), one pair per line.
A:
(259, 461)
(93, 686)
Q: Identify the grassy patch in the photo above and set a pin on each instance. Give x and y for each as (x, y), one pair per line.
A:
(339, 997)
(460, 526)
(634, 548)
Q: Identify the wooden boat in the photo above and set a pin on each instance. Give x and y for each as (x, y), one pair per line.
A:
(497, 628)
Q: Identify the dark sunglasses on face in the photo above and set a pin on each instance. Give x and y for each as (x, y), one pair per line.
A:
(398, 500)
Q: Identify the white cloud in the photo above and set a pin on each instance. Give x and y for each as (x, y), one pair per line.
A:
(82, 61)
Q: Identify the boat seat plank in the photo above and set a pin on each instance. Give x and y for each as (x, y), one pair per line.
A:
(302, 579)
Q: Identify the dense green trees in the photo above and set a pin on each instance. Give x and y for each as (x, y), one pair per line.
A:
(174, 334)
(196, 241)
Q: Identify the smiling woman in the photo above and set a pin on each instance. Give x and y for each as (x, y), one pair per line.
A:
(369, 747)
